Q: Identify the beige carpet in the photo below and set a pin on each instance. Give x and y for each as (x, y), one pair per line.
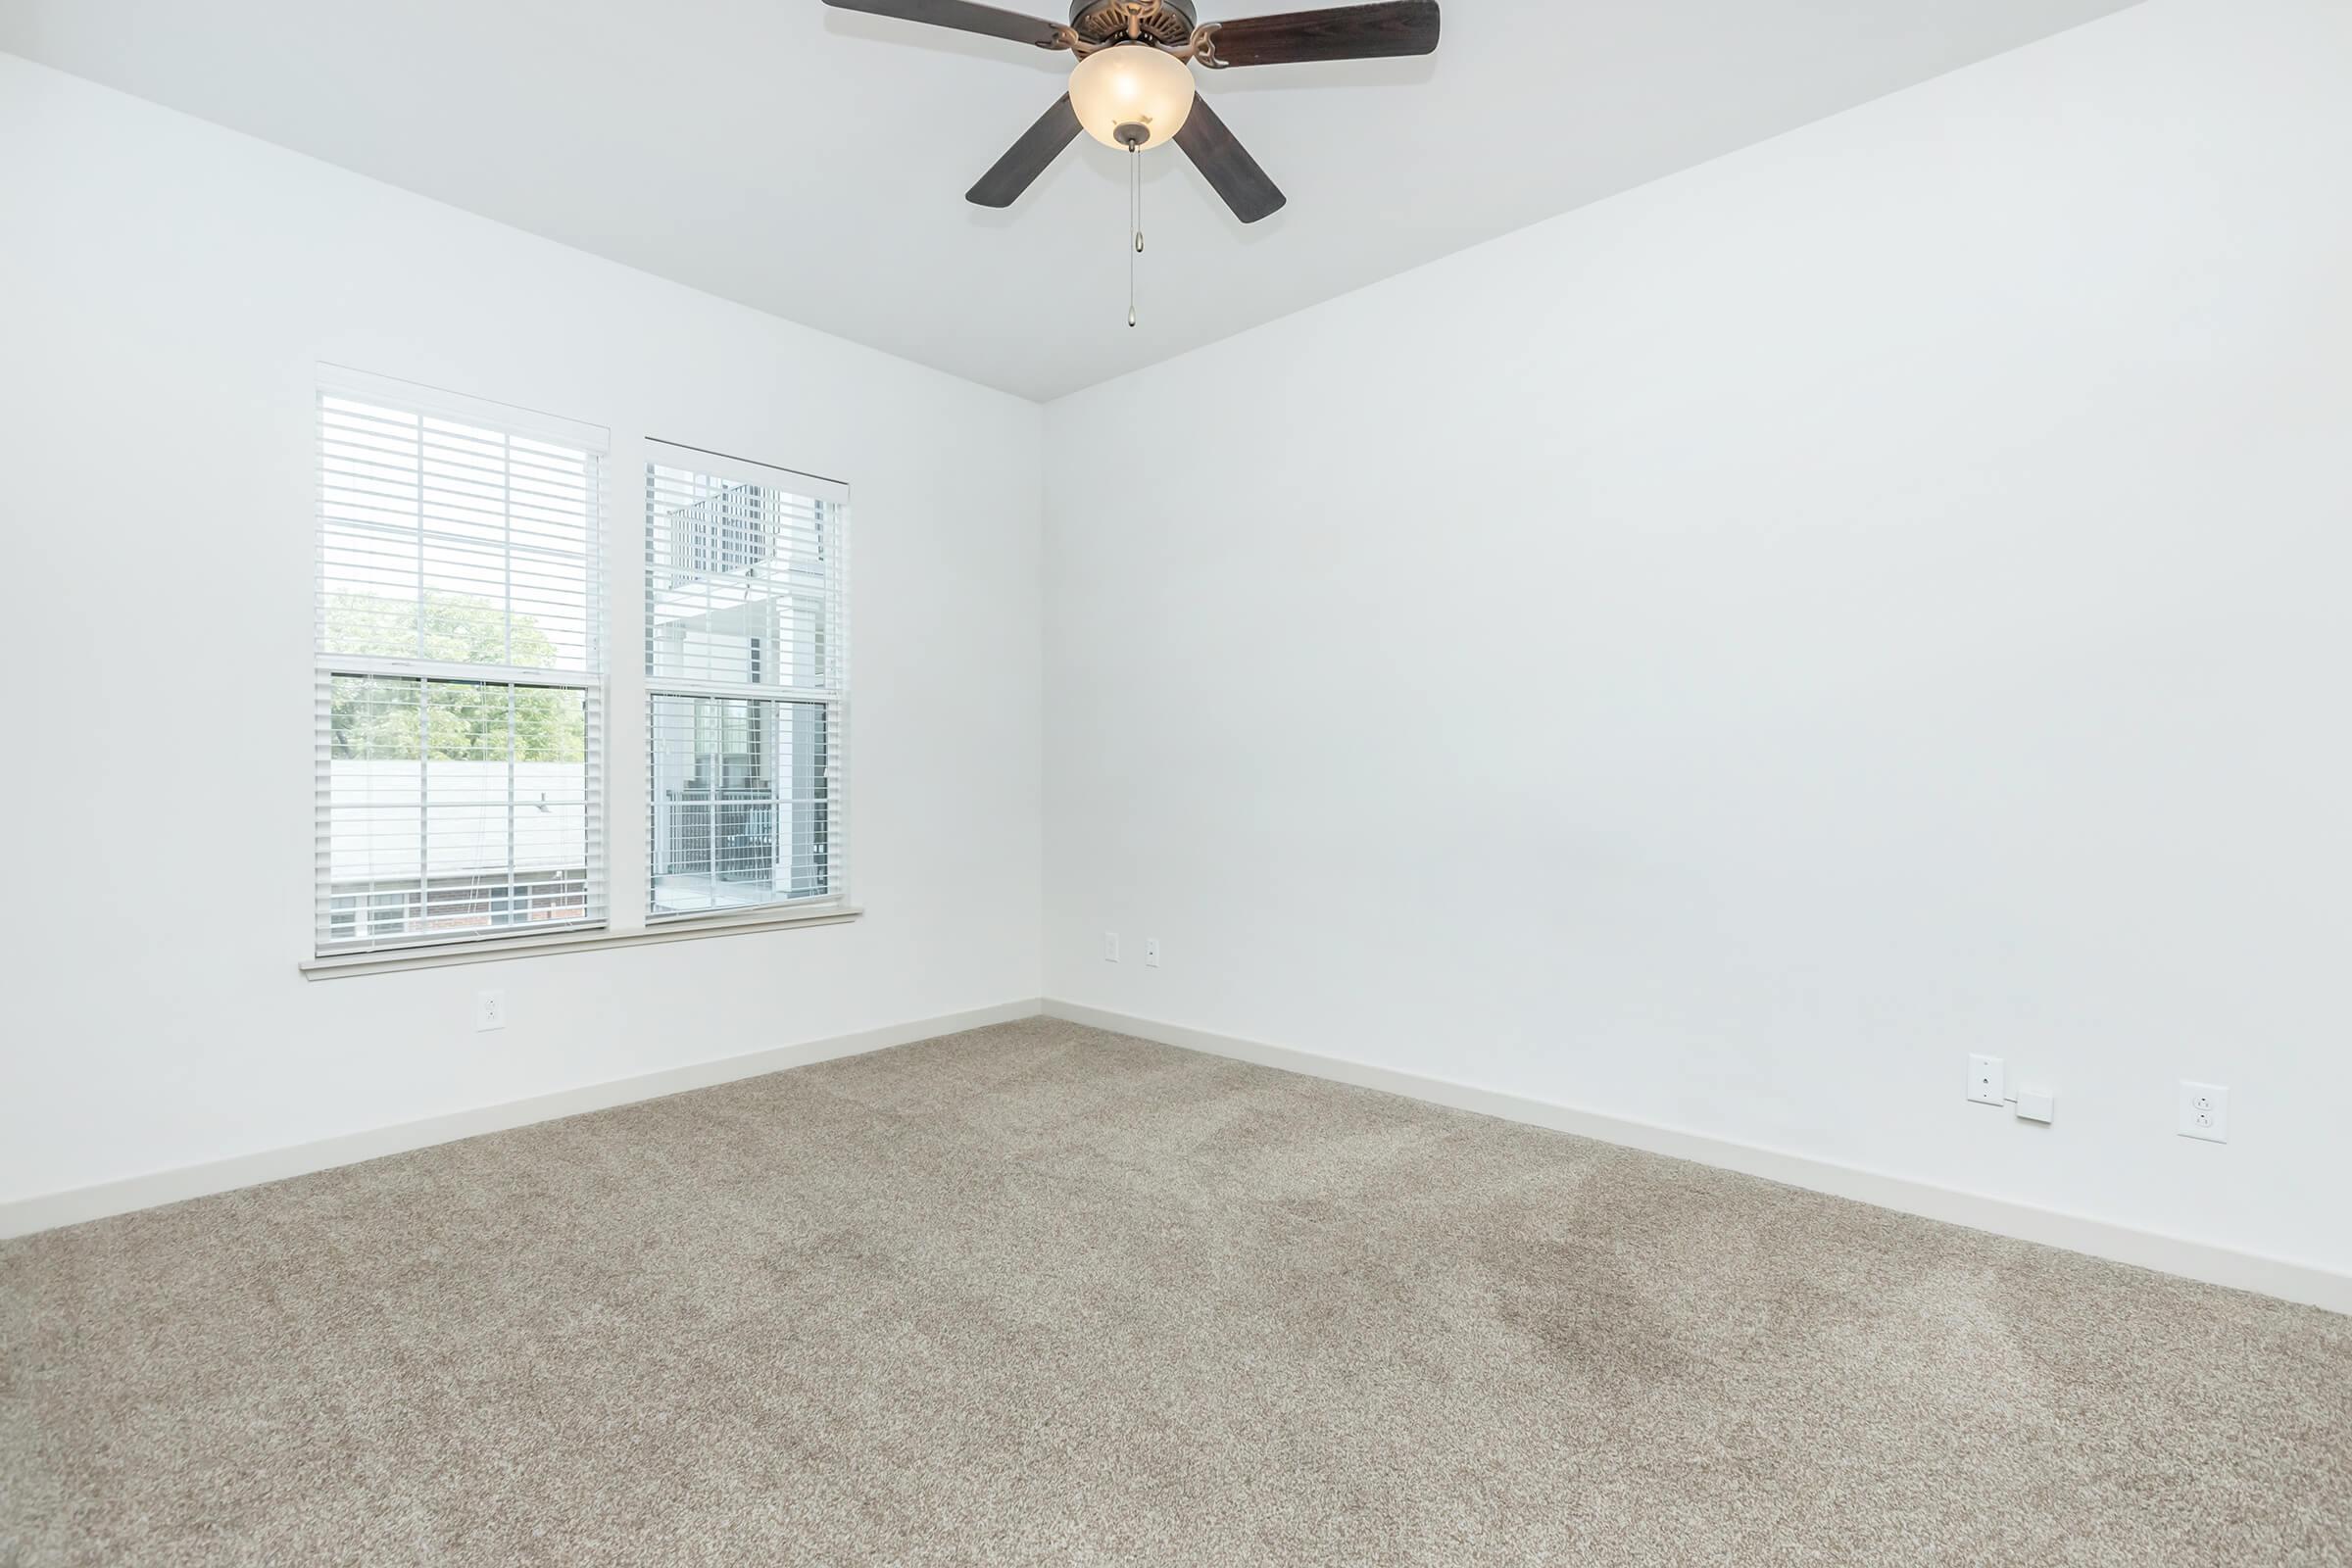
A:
(1043, 1295)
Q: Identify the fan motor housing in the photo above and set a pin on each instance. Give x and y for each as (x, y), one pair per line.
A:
(1168, 22)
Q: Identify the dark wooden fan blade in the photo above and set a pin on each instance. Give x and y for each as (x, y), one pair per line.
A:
(1026, 159)
(1349, 33)
(1227, 165)
(964, 16)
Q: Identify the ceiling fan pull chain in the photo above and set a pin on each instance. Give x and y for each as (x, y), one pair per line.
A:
(1135, 221)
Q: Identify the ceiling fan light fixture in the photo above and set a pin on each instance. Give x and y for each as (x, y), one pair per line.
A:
(1131, 95)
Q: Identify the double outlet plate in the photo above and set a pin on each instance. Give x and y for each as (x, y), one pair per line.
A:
(2204, 1111)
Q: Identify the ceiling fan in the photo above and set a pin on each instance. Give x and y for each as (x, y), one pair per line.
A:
(1132, 89)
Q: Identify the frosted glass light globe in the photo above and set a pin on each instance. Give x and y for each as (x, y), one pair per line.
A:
(1131, 84)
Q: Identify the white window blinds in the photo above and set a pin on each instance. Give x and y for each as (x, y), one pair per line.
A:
(459, 669)
(747, 680)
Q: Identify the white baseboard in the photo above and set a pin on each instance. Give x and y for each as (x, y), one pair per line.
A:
(2174, 1255)
(2079, 1233)
(23, 1215)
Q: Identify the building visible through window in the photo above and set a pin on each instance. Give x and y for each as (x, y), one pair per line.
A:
(746, 691)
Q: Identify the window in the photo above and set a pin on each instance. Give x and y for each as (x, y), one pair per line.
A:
(746, 595)
(459, 667)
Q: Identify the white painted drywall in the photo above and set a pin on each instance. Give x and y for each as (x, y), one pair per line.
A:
(1720, 657)
(166, 289)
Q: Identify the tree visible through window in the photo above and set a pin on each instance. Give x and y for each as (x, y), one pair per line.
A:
(462, 721)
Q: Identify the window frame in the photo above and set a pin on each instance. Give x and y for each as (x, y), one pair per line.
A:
(592, 681)
(617, 694)
(831, 696)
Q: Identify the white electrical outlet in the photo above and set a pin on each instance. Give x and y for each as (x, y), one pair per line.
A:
(1987, 1081)
(490, 1010)
(1151, 952)
(1111, 947)
(2205, 1112)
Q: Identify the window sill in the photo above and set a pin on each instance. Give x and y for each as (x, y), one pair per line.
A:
(337, 965)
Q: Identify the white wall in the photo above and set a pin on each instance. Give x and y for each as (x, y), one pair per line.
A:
(166, 289)
(1722, 655)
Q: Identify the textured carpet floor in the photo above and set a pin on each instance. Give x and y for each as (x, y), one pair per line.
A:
(1043, 1295)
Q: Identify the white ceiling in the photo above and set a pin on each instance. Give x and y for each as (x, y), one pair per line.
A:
(813, 161)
